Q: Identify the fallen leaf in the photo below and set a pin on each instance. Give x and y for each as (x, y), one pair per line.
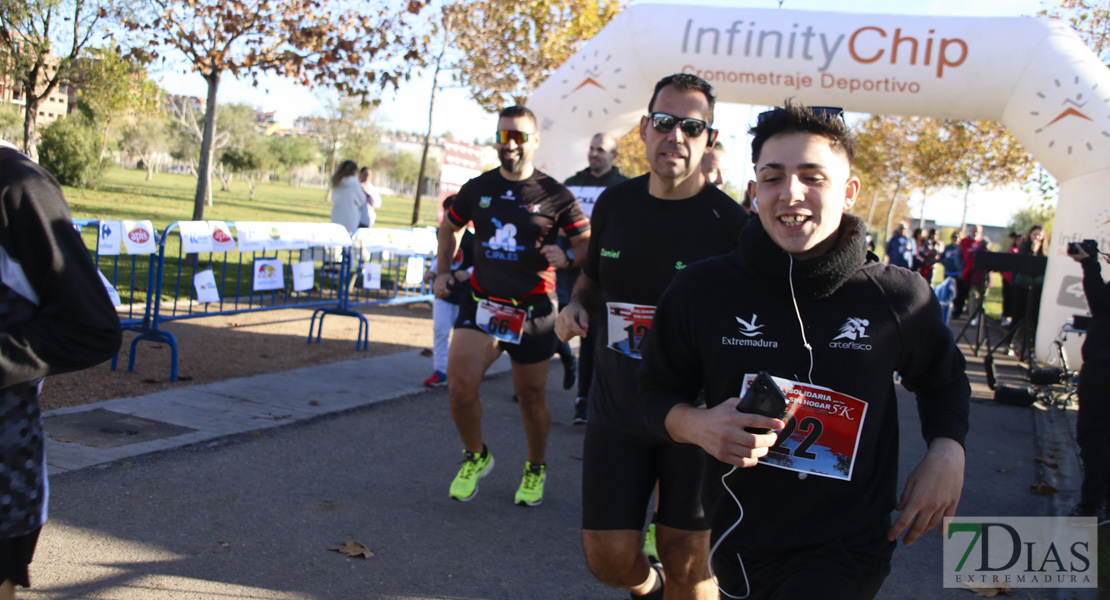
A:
(63, 439)
(225, 544)
(426, 352)
(575, 457)
(184, 377)
(1043, 488)
(353, 548)
(152, 380)
(1046, 462)
(314, 403)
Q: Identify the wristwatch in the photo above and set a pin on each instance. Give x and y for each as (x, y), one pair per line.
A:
(570, 258)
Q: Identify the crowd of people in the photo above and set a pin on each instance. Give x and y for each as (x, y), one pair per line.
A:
(662, 328)
(686, 492)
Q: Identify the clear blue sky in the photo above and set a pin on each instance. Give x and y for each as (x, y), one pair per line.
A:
(407, 109)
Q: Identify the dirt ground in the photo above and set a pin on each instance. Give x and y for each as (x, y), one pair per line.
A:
(227, 347)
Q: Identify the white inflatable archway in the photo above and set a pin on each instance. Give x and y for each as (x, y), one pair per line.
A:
(1035, 76)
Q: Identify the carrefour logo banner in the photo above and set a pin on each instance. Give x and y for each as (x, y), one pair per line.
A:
(1025, 552)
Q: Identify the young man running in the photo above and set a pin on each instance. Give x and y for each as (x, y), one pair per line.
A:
(807, 513)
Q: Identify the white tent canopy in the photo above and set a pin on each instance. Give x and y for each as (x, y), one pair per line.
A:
(1035, 76)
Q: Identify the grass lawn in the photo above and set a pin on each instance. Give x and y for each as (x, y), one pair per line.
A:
(124, 194)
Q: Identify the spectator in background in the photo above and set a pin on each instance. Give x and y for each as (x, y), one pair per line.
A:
(1093, 424)
(974, 236)
(56, 318)
(373, 199)
(445, 311)
(899, 248)
(1027, 289)
(347, 197)
(713, 165)
(928, 253)
(1008, 282)
(978, 281)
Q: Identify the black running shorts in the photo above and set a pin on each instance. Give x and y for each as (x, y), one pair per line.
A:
(537, 343)
(15, 557)
(619, 473)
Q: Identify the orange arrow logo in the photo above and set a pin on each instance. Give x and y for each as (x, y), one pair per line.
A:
(1070, 112)
(588, 81)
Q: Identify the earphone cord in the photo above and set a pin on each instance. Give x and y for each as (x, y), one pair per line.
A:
(747, 586)
(801, 325)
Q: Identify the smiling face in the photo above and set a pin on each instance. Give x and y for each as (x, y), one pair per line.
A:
(516, 159)
(674, 157)
(803, 187)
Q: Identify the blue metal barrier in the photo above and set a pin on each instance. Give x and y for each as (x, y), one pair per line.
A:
(170, 294)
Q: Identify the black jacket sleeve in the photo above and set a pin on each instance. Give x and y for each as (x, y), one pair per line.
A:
(75, 325)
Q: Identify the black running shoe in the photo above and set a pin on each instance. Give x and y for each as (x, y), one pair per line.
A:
(579, 412)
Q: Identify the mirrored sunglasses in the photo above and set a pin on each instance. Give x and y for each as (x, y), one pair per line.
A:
(504, 135)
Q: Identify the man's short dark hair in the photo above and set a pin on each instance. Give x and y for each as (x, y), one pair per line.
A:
(798, 118)
(515, 111)
(684, 82)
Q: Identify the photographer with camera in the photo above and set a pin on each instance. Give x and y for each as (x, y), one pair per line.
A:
(1093, 428)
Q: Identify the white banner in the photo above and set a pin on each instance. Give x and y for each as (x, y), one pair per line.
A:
(268, 274)
(196, 236)
(138, 237)
(372, 276)
(303, 276)
(109, 238)
(221, 237)
(205, 284)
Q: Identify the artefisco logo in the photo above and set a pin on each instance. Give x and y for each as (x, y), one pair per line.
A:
(854, 331)
(1028, 552)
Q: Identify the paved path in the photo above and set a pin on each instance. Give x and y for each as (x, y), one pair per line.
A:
(269, 472)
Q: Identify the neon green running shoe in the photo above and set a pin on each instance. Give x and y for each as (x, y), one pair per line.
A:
(649, 544)
(530, 492)
(474, 467)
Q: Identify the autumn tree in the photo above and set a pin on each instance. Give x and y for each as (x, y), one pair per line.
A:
(148, 138)
(630, 154)
(883, 157)
(111, 86)
(349, 47)
(509, 47)
(1090, 19)
(39, 41)
(986, 156)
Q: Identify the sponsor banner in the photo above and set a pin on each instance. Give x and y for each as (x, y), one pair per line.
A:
(303, 276)
(268, 274)
(109, 238)
(372, 276)
(414, 271)
(138, 237)
(111, 289)
(221, 237)
(1020, 552)
(205, 284)
(196, 236)
(252, 236)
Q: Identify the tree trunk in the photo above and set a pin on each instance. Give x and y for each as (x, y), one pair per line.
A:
(963, 219)
(104, 141)
(921, 217)
(204, 166)
(890, 213)
(30, 121)
(428, 135)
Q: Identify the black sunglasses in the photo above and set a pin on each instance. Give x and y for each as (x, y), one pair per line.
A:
(825, 112)
(664, 123)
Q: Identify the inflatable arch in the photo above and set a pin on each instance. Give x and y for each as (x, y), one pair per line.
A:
(1035, 76)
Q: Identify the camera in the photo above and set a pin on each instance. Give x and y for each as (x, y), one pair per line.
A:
(1088, 246)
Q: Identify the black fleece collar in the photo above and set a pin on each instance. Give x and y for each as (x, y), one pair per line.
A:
(814, 278)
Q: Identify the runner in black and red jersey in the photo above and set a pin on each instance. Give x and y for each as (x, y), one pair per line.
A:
(624, 276)
(517, 213)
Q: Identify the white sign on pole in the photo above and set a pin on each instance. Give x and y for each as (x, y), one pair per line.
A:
(109, 238)
(196, 236)
(205, 284)
(303, 276)
(268, 274)
(372, 276)
(414, 273)
(138, 237)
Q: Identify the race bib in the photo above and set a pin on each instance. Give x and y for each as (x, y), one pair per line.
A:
(822, 434)
(628, 326)
(501, 321)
